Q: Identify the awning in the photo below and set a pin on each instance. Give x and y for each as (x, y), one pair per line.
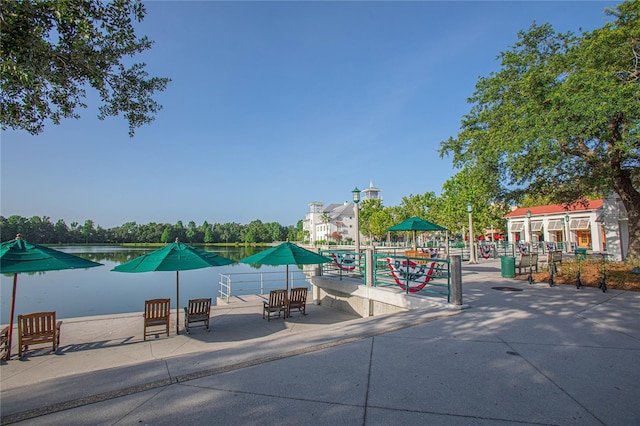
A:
(517, 226)
(555, 225)
(579, 224)
(536, 226)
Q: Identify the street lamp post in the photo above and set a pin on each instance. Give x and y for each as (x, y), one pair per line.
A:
(530, 279)
(493, 242)
(566, 223)
(356, 201)
(472, 249)
(564, 233)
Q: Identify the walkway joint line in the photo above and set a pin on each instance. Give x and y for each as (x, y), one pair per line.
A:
(54, 408)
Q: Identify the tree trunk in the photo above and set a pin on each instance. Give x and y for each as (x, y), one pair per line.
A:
(633, 212)
(631, 200)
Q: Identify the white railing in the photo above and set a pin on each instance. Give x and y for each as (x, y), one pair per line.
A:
(243, 283)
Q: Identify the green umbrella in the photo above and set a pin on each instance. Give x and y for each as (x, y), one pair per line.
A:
(414, 224)
(17, 256)
(286, 254)
(177, 257)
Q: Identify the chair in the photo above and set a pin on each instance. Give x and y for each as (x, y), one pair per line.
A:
(36, 328)
(198, 310)
(277, 303)
(156, 313)
(298, 300)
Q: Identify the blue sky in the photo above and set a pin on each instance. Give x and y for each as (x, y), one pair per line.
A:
(274, 105)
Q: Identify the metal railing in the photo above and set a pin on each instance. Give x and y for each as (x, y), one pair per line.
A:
(244, 283)
(413, 274)
(419, 274)
(344, 264)
(496, 249)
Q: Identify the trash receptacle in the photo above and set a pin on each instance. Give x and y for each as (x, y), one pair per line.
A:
(508, 266)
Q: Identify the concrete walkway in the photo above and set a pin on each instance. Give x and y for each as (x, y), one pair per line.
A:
(542, 355)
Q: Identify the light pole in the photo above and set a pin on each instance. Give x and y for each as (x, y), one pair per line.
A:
(472, 249)
(530, 279)
(566, 222)
(356, 200)
(493, 242)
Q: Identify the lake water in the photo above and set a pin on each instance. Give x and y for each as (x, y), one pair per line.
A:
(99, 291)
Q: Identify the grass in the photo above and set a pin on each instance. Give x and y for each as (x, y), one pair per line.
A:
(619, 275)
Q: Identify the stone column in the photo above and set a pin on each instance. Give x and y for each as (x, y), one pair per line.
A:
(456, 279)
(368, 261)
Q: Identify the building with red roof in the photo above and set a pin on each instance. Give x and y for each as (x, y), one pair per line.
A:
(598, 226)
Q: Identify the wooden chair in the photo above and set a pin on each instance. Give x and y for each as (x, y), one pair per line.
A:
(156, 313)
(39, 327)
(198, 310)
(298, 300)
(277, 303)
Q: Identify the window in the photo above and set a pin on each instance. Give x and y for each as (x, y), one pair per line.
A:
(517, 226)
(555, 225)
(579, 224)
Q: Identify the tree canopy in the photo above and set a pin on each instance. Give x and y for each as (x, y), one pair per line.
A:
(561, 118)
(469, 186)
(53, 50)
(44, 231)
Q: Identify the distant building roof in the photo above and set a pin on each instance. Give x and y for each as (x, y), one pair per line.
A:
(555, 208)
(336, 210)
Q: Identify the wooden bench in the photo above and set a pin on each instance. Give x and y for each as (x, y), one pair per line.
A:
(4, 343)
(298, 300)
(528, 261)
(413, 254)
(36, 328)
(198, 310)
(156, 313)
(554, 256)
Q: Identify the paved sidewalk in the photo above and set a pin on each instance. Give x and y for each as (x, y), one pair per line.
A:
(541, 355)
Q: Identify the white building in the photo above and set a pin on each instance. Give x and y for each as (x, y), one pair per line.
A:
(599, 226)
(335, 222)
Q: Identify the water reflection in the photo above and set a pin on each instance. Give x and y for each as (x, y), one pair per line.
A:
(125, 254)
(99, 291)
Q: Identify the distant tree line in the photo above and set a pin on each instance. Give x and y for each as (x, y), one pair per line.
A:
(42, 230)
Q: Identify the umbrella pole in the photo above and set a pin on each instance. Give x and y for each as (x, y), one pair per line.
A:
(13, 306)
(177, 302)
(287, 279)
(415, 243)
